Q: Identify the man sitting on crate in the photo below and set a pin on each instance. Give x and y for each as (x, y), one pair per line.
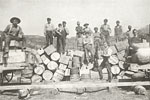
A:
(13, 32)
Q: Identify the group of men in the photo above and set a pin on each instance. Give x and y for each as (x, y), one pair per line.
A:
(90, 42)
(60, 32)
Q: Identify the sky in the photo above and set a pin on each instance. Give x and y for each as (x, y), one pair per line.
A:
(33, 13)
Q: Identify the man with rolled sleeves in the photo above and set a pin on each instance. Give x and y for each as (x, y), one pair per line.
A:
(106, 53)
(48, 32)
(13, 32)
(64, 34)
(105, 30)
(118, 30)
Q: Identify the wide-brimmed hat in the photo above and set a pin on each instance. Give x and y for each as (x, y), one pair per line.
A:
(85, 24)
(15, 18)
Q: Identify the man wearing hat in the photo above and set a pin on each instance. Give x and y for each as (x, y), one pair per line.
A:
(13, 32)
(118, 30)
(105, 30)
(48, 32)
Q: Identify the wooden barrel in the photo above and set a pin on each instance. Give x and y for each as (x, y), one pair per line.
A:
(47, 75)
(115, 69)
(58, 75)
(55, 56)
(36, 79)
(52, 65)
(113, 60)
(39, 69)
(121, 64)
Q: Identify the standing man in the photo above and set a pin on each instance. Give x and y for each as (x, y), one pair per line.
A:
(107, 52)
(129, 34)
(64, 34)
(48, 32)
(105, 30)
(79, 30)
(13, 32)
(118, 30)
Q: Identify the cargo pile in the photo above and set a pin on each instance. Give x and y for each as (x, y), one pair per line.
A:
(46, 64)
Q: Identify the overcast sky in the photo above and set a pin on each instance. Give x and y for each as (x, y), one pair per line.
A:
(33, 13)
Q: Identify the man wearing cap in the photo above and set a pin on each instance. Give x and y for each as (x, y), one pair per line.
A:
(13, 32)
(105, 30)
(48, 32)
(79, 30)
(64, 34)
(118, 30)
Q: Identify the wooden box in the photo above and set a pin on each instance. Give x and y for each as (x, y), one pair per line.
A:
(50, 49)
(64, 59)
(16, 56)
(78, 53)
(45, 59)
(62, 67)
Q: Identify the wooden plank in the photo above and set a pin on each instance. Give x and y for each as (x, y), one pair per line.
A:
(12, 68)
(81, 84)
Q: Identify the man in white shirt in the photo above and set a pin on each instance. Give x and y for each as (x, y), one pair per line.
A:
(48, 32)
(105, 30)
(107, 52)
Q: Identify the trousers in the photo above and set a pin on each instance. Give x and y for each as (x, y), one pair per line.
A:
(61, 44)
(8, 39)
(49, 38)
(105, 64)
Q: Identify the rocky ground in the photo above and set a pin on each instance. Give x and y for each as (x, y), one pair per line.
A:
(48, 94)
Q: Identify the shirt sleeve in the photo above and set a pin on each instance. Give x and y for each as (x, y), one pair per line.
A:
(7, 29)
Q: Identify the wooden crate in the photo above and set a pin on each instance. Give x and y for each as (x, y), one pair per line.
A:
(16, 56)
(64, 59)
(50, 49)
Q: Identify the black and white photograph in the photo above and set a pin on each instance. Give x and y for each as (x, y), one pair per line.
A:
(74, 49)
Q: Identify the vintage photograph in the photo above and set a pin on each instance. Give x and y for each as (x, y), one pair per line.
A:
(74, 49)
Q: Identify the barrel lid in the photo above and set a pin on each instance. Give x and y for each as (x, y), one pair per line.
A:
(55, 56)
(52, 65)
(113, 59)
(115, 69)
